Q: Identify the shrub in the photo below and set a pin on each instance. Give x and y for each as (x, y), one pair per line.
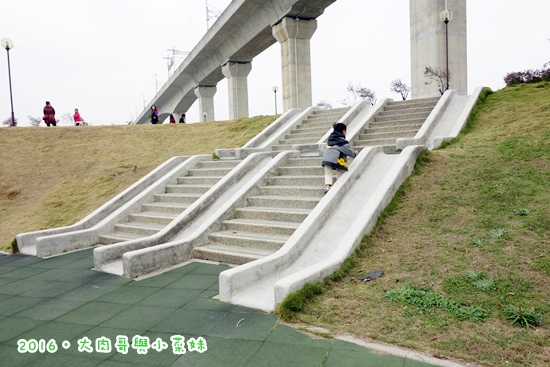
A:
(527, 76)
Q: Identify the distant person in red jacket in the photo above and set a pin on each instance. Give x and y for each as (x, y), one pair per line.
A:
(77, 118)
(172, 119)
(49, 114)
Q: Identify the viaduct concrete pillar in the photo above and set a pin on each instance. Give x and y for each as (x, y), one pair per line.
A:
(237, 83)
(294, 36)
(206, 101)
(428, 46)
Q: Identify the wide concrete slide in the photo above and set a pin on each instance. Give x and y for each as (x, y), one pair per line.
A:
(27, 242)
(327, 236)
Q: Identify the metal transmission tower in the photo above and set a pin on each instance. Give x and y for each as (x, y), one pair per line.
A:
(211, 13)
(171, 59)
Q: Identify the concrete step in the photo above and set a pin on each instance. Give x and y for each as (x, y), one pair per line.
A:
(293, 141)
(392, 128)
(109, 239)
(306, 135)
(414, 102)
(387, 135)
(296, 180)
(396, 123)
(308, 191)
(270, 213)
(248, 239)
(284, 202)
(310, 161)
(281, 147)
(417, 115)
(152, 217)
(397, 110)
(316, 170)
(260, 226)
(176, 198)
(168, 208)
(374, 143)
(234, 255)
(208, 172)
(312, 126)
(187, 180)
(218, 163)
(139, 228)
(187, 189)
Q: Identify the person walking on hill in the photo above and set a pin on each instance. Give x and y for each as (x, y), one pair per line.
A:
(77, 118)
(154, 115)
(336, 153)
(49, 114)
(172, 119)
(182, 118)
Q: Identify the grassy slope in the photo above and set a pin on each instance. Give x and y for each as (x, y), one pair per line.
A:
(51, 177)
(440, 228)
(456, 195)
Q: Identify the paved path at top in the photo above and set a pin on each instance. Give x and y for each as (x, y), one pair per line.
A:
(61, 298)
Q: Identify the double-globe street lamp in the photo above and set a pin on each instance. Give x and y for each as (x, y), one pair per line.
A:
(8, 45)
(446, 16)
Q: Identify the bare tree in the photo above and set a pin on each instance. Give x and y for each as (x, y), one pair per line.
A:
(324, 105)
(67, 118)
(397, 86)
(8, 121)
(34, 121)
(367, 95)
(358, 92)
(439, 76)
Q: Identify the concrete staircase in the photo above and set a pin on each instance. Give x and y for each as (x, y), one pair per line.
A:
(270, 217)
(165, 207)
(401, 119)
(310, 130)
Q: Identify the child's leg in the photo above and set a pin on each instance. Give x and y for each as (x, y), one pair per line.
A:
(328, 176)
(338, 173)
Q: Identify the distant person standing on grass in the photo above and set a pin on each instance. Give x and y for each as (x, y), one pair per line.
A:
(49, 114)
(154, 115)
(182, 118)
(172, 119)
(336, 154)
(77, 118)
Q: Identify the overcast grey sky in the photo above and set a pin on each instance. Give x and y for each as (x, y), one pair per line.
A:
(103, 56)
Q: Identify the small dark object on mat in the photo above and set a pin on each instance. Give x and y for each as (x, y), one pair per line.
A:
(372, 275)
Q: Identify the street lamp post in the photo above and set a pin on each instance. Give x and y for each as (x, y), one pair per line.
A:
(8, 45)
(446, 16)
(275, 89)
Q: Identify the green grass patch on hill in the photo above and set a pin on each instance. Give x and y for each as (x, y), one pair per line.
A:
(52, 177)
(469, 231)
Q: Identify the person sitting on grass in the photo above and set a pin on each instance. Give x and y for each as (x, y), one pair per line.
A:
(336, 153)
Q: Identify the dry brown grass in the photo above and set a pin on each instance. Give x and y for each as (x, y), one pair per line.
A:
(456, 195)
(51, 177)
